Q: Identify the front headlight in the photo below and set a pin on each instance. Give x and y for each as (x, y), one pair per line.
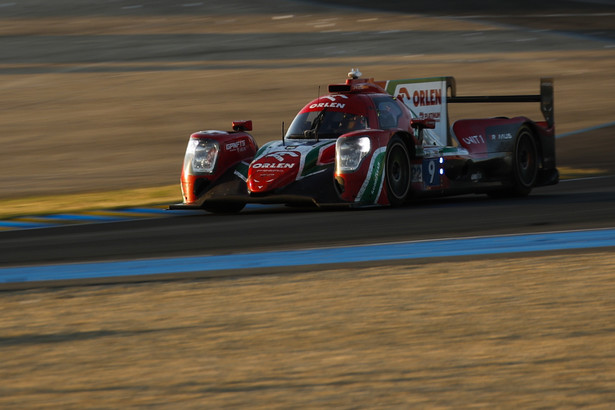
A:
(201, 156)
(350, 151)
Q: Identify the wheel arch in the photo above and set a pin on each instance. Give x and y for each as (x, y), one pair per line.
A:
(408, 140)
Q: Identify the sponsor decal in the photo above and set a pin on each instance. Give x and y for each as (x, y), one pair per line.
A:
(426, 99)
(269, 165)
(421, 98)
(500, 137)
(429, 116)
(275, 157)
(372, 185)
(332, 104)
(417, 173)
(238, 146)
(474, 139)
(327, 105)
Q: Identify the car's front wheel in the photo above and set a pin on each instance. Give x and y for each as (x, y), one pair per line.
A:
(397, 172)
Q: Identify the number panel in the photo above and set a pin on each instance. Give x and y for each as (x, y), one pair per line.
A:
(431, 172)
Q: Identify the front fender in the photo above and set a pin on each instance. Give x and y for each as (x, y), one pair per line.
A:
(234, 148)
(364, 185)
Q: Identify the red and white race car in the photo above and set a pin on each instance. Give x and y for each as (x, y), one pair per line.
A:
(372, 143)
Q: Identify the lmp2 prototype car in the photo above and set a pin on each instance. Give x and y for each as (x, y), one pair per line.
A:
(372, 143)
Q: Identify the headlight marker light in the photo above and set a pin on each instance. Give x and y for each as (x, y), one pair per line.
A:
(201, 156)
(350, 151)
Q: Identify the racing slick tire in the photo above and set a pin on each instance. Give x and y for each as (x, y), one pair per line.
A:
(397, 172)
(224, 207)
(525, 163)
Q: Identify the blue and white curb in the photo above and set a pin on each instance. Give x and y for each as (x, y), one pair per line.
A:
(490, 245)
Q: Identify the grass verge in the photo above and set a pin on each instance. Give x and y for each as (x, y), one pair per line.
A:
(154, 196)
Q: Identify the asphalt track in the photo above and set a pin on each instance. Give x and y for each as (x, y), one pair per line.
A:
(583, 203)
(264, 262)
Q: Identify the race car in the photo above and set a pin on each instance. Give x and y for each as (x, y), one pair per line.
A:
(374, 143)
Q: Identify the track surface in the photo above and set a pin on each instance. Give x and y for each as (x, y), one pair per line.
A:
(586, 203)
(580, 203)
(570, 205)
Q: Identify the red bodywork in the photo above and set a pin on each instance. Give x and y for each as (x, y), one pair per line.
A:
(235, 147)
(363, 144)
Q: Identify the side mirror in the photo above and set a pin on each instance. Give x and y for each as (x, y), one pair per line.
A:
(422, 124)
(242, 125)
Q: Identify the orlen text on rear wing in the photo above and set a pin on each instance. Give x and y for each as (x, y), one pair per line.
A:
(428, 98)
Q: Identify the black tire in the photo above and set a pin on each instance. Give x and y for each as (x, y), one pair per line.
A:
(224, 207)
(525, 163)
(397, 172)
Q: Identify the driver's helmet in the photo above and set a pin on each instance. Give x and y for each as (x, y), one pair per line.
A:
(352, 122)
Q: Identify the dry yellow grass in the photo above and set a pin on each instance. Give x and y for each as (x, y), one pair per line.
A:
(156, 196)
(531, 332)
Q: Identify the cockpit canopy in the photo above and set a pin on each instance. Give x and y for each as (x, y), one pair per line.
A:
(325, 124)
(333, 115)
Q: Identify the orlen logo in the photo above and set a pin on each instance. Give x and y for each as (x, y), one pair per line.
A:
(279, 156)
(422, 98)
(332, 104)
(270, 165)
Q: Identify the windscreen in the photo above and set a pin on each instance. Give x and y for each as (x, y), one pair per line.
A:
(325, 124)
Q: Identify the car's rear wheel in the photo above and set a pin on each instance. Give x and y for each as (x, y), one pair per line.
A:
(397, 172)
(224, 207)
(525, 163)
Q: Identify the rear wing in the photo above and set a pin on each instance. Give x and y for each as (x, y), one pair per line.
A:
(545, 98)
(428, 98)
